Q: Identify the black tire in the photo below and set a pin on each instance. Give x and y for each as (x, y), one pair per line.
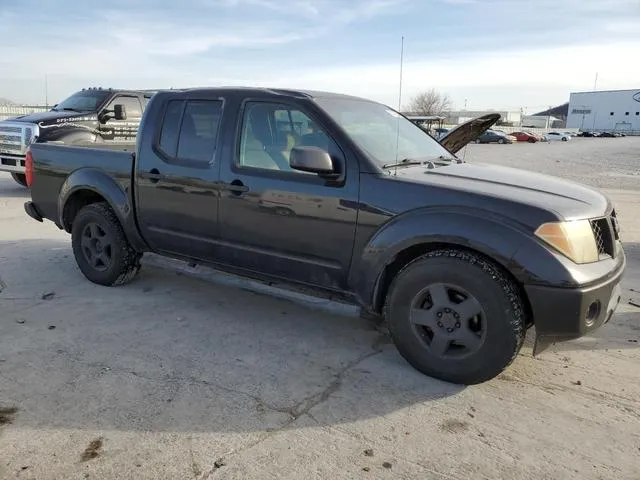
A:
(502, 141)
(20, 178)
(564, 139)
(119, 262)
(494, 336)
(531, 140)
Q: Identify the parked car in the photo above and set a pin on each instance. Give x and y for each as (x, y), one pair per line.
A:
(89, 116)
(554, 136)
(460, 259)
(610, 134)
(492, 136)
(527, 137)
(587, 134)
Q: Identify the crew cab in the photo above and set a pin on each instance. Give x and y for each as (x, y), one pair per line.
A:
(342, 196)
(92, 115)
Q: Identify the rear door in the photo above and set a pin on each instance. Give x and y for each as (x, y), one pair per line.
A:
(287, 223)
(176, 177)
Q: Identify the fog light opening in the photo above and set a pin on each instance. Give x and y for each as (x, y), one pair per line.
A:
(592, 313)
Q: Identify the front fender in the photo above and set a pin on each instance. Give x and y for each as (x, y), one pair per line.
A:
(100, 183)
(485, 232)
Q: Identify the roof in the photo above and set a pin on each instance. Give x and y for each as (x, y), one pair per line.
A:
(559, 111)
(609, 91)
(299, 93)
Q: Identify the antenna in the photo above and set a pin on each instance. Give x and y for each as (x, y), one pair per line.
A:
(595, 82)
(46, 92)
(395, 171)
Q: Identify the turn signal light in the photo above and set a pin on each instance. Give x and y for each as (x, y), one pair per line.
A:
(28, 167)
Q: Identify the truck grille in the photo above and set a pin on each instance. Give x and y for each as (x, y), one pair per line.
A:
(605, 235)
(16, 137)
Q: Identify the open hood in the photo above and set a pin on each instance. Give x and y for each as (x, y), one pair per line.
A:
(458, 137)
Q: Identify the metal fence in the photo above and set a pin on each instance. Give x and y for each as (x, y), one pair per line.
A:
(8, 111)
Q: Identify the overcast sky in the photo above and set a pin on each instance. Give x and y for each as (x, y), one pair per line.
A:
(503, 54)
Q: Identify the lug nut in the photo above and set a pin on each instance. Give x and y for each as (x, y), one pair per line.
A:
(457, 324)
(447, 310)
(440, 324)
(456, 316)
(449, 330)
(439, 314)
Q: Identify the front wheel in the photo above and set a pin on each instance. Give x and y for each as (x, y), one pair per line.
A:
(502, 141)
(564, 139)
(101, 249)
(20, 178)
(455, 316)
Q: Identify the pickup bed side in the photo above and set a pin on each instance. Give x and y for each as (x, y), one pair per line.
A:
(84, 175)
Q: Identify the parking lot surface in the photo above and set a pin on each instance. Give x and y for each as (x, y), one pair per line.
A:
(188, 374)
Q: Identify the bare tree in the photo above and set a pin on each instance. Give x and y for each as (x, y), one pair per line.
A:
(430, 102)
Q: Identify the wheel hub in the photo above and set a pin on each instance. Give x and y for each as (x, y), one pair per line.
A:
(98, 246)
(448, 320)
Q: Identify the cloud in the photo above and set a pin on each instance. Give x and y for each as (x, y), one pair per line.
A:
(486, 50)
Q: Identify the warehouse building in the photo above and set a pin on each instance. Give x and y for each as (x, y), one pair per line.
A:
(607, 110)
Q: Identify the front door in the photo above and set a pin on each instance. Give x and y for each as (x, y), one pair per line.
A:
(122, 131)
(176, 179)
(274, 219)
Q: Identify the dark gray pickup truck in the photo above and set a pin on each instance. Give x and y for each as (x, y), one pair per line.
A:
(344, 196)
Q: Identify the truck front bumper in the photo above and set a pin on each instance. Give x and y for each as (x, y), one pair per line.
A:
(561, 314)
(11, 163)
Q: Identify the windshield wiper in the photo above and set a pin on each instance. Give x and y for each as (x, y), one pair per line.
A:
(446, 158)
(69, 109)
(402, 163)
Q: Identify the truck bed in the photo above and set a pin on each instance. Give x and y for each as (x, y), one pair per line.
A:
(53, 163)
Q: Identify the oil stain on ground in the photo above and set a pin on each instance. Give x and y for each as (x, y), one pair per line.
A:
(7, 414)
(92, 451)
(454, 426)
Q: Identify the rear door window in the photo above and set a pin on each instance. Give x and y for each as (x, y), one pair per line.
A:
(189, 130)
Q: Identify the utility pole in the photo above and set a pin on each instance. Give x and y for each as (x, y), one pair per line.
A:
(401, 63)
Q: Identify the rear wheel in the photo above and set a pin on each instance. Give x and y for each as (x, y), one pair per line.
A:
(564, 139)
(455, 316)
(502, 141)
(532, 140)
(102, 252)
(20, 178)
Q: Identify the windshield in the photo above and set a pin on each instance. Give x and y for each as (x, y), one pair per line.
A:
(381, 132)
(83, 101)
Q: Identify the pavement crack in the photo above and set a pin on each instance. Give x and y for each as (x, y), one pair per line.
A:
(195, 468)
(309, 403)
(301, 408)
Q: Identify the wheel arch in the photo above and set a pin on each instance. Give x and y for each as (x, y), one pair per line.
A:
(89, 185)
(413, 234)
(414, 252)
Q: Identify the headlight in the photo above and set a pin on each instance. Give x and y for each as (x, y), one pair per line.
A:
(573, 239)
(30, 134)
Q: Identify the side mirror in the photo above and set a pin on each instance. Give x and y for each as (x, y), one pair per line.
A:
(119, 112)
(311, 159)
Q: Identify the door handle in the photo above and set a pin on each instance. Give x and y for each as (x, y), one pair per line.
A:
(154, 175)
(237, 187)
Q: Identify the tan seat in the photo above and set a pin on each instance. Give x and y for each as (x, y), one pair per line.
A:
(252, 152)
